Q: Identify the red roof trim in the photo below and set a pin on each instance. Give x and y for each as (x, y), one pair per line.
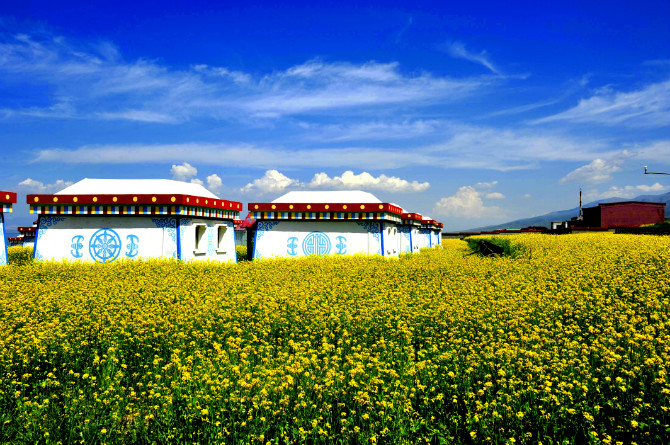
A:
(27, 229)
(431, 222)
(7, 197)
(324, 207)
(413, 216)
(644, 203)
(139, 199)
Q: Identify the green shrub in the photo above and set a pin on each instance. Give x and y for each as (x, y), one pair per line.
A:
(241, 253)
(19, 255)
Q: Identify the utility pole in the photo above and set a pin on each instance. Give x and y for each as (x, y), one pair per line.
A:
(653, 173)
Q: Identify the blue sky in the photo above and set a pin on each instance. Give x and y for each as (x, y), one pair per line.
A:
(472, 113)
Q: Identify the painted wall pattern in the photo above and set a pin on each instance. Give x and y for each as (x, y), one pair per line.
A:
(210, 239)
(105, 246)
(298, 238)
(103, 239)
(169, 226)
(371, 227)
(45, 223)
(316, 243)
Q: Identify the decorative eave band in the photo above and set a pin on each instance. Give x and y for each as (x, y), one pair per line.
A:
(139, 210)
(431, 224)
(327, 216)
(7, 197)
(134, 200)
(6, 201)
(324, 207)
(412, 219)
(27, 229)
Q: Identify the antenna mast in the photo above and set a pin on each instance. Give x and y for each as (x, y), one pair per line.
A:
(581, 214)
(654, 173)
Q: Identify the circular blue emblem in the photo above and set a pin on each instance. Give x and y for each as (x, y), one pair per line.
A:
(316, 243)
(105, 246)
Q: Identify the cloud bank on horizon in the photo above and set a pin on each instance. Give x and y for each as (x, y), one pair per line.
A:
(470, 132)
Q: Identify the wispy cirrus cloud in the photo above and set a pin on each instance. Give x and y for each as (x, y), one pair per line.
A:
(645, 107)
(457, 50)
(627, 191)
(373, 130)
(96, 82)
(459, 146)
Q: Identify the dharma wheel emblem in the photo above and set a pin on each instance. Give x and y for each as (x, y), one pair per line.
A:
(105, 246)
(316, 243)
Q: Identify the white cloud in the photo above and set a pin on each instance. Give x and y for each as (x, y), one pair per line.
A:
(274, 181)
(97, 83)
(183, 172)
(139, 116)
(33, 186)
(197, 181)
(349, 180)
(377, 130)
(214, 183)
(495, 195)
(271, 182)
(463, 147)
(527, 196)
(596, 172)
(486, 185)
(467, 203)
(236, 76)
(628, 191)
(647, 107)
(655, 151)
(457, 50)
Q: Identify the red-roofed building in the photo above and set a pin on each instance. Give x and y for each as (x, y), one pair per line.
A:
(621, 214)
(7, 199)
(322, 223)
(106, 219)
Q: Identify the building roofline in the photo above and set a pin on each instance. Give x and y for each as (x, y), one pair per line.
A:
(40, 200)
(7, 197)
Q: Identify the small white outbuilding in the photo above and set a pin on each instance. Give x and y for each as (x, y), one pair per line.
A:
(430, 232)
(6, 201)
(103, 220)
(325, 222)
(409, 229)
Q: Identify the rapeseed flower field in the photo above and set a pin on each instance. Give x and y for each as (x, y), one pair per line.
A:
(568, 341)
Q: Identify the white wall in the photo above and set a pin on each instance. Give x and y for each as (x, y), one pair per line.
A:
(392, 240)
(437, 238)
(3, 247)
(210, 247)
(300, 238)
(105, 238)
(409, 241)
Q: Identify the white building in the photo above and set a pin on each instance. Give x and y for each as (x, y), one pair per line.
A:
(27, 235)
(409, 229)
(322, 223)
(106, 219)
(430, 233)
(6, 201)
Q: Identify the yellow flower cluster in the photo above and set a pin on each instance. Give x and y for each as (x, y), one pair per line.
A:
(568, 341)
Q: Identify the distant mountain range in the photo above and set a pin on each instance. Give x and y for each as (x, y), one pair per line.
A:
(566, 215)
